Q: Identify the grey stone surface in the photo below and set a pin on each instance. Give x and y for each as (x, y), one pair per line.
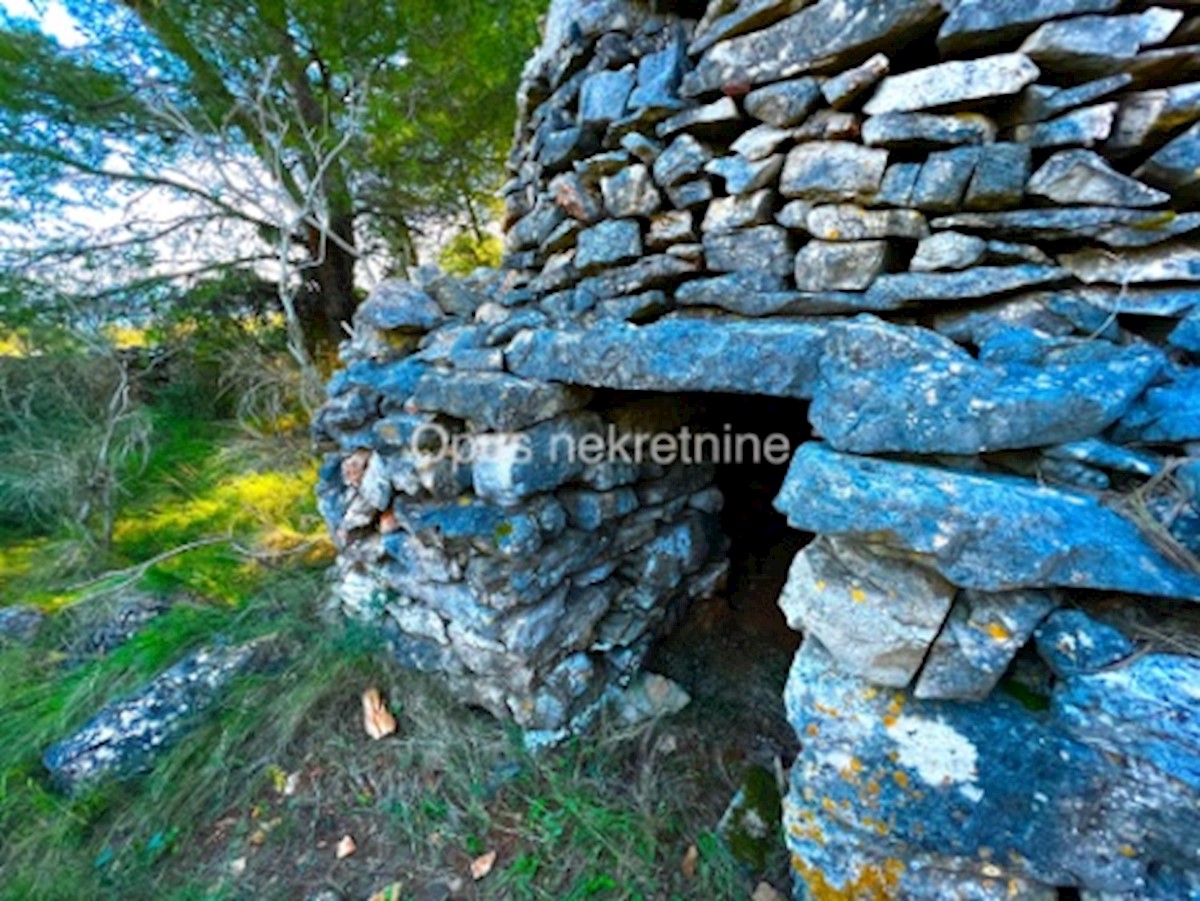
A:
(912, 131)
(944, 179)
(1164, 263)
(847, 222)
(999, 179)
(765, 248)
(952, 83)
(743, 176)
(672, 227)
(832, 172)
(631, 192)
(716, 117)
(659, 76)
(1148, 118)
(610, 243)
(948, 251)
(892, 389)
(981, 24)
(604, 95)
(845, 89)
(494, 400)
(990, 532)
(760, 142)
(917, 795)
(1073, 644)
(774, 359)
(740, 211)
(1108, 227)
(1095, 46)
(823, 36)
(683, 160)
(894, 291)
(876, 615)
(723, 21)
(982, 635)
(840, 266)
(1083, 178)
(128, 736)
(1085, 127)
(690, 194)
(785, 104)
(1175, 166)
(401, 306)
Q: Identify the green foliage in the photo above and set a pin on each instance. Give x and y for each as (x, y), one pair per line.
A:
(466, 252)
(404, 108)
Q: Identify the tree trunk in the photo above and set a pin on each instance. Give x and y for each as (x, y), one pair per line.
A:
(328, 300)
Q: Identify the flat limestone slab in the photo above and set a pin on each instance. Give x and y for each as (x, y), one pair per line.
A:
(777, 359)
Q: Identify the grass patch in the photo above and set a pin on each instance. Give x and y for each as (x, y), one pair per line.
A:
(253, 803)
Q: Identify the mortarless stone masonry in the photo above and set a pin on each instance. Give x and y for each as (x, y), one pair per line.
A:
(968, 233)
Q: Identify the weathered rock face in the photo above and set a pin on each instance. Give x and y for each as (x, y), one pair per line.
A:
(980, 264)
(129, 735)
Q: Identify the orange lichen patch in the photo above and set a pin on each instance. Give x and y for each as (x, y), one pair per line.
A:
(894, 709)
(858, 596)
(1127, 851)
(812, 730)
(870, 693)
(850, 772)
(821, 584)
(829, 804)
(901, 778)
(873, 883)
(998, 632)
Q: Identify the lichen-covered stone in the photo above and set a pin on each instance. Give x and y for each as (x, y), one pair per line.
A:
(990, 532)
(773, 359)
(400, 306)
(129, 735)
(1081, 177)
(1095, 46)
(845, 89)
(820, 37)
(763, 248)
(840, 266)
(948, 251)
(683, 159)
(631, 192)
(744, 176)
(785, 104)
(876, 615)
(952, 83)
(833, 172)
(847, 222)
(891, 389)
(982, 635)
(926, 131)
(980, 24)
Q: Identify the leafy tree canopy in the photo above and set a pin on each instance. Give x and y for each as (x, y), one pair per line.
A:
(318, 134)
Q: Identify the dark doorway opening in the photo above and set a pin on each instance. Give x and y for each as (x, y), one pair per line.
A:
(732, 652)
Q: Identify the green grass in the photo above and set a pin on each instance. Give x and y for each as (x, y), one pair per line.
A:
(607, 816)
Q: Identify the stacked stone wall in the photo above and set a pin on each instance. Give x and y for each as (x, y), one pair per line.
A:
(966, 233)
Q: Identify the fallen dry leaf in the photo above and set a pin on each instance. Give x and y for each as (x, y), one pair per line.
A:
(346, 847)
(690, 859)
(377, 719)
(481, 866)
(767, 892)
